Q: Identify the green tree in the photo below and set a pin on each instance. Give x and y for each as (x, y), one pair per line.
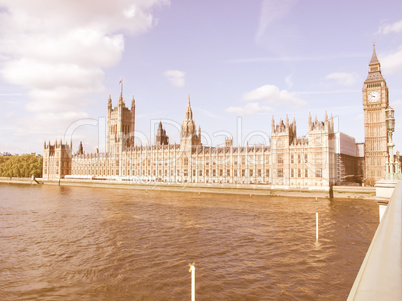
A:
(21, 166)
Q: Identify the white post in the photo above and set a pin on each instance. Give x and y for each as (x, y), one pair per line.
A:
(192, 270)
(316, 225)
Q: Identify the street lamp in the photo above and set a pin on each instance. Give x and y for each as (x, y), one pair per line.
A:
(389, 113)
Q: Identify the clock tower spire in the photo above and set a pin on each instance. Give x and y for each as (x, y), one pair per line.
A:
(375, 101)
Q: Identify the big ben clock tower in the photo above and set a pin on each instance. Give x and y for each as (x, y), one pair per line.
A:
(375, 101)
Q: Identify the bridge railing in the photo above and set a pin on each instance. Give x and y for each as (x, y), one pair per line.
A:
(380, 275)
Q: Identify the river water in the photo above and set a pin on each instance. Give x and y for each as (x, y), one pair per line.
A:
(75, 243)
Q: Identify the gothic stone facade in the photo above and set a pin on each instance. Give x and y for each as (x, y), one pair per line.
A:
(289, 161)
(375, 101)
(56, 160)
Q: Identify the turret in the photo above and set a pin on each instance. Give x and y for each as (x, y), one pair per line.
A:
(188, 133)
(133, 103)
(374, 62)
(121, 102)
(188, 126)
(374, 68)
(80, 149)
(109, 103)
(161, 137)
(273, 125)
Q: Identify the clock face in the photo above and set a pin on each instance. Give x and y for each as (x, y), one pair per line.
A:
(374, 96)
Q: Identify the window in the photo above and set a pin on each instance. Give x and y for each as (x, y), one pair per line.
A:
(259, 172)
(251, 172)
(235, 172)
(267, 172)
(207, 172)
(243, 172)
(299, 172)
(194, 173)
(305, 158)
(292, 159)
(221, 172)
(280, 158)
(280, 172)
(292, 173)
(298, 158)
(200, 173)
(214, 172)
(318, 173)
(228, 172)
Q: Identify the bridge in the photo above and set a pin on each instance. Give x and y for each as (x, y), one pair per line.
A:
(380, 275)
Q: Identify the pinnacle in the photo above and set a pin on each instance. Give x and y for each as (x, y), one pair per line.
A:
(374, 59)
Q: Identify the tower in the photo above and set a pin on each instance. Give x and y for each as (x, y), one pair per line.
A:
(56, 160)
(188, 135)
(375, 101)
(120, 126)
(161, 137)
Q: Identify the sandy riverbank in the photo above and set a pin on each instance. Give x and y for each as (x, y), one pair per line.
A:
(357, 192)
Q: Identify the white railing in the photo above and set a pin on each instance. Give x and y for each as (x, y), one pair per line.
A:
(380, 275)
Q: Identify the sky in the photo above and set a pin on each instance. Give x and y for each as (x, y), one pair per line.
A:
(241, 62)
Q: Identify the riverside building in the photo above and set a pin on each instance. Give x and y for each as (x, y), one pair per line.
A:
(318, 160)
(289, 161)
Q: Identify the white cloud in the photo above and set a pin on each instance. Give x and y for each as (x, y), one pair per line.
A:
(271, 12)
(57, 50)
(289, 81)
(175, 77)
(343, 78)
(395, 27)
(272, 95)
(392, 62)
(249, 109)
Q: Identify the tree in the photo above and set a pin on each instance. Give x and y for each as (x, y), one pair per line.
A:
(21, 166)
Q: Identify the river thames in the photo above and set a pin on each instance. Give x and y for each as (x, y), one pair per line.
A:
(75, 243)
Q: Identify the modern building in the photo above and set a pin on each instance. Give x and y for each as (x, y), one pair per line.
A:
(349, 159)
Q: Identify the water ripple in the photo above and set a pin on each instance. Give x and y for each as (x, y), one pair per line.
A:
(65, 243)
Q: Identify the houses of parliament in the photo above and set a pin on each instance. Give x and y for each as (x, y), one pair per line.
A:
(316, 161)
